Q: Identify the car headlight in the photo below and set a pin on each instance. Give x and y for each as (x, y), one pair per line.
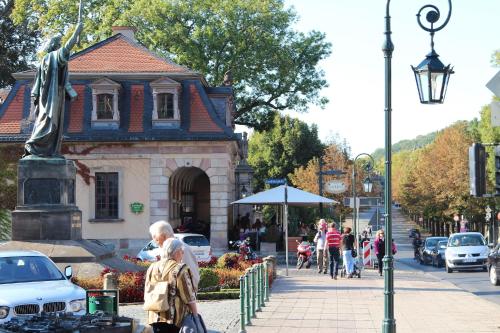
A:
(77, 305)
(4, 312)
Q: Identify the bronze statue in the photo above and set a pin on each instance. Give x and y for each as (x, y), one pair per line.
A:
(49, 92)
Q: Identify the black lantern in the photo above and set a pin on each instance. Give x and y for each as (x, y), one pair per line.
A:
(431, 74)
(243, 192)
(432, 78)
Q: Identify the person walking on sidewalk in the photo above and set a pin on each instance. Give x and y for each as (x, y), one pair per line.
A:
(347, 247)
(332, 244)
(320, 240)
(379, 245)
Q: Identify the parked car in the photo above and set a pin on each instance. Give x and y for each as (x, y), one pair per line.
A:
(199, 244)
(413, 232)
(466, 250)
(493, 265)
(30, 283)
(427, 247)
(437, 253)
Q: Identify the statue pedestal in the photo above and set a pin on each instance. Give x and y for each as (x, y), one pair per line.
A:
(46, 207)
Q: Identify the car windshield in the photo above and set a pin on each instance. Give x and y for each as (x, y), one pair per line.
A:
(431, 242)
(466, 240)
(196, 241)
(442, 244)
(28, 269)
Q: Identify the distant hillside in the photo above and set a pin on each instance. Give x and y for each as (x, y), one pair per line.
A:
(419, 142)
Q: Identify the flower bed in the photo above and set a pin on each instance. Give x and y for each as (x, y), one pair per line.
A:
(219, 278)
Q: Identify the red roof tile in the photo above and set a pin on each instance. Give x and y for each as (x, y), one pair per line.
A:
(199, 118)
(76, 110)
(10, 122)
(136, 108)
(121, 55)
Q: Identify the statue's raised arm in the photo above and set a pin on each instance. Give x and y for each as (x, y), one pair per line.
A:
(76, 34)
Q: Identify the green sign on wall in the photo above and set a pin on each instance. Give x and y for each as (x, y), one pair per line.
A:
(136, 207)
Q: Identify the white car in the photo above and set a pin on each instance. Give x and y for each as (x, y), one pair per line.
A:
(466, 250)
(30, 283)
(199, 244)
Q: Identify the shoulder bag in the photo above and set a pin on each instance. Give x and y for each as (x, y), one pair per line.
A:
(159, 296)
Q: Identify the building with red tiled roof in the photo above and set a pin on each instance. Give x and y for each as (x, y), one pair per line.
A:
(150, 139)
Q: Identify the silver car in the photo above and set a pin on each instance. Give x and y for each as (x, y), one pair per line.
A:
(199, 244)
(30, 283)
(466, 250)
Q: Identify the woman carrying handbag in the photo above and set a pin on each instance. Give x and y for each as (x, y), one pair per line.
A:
(169, 295)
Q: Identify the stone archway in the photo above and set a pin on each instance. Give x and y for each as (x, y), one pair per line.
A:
(189, 198)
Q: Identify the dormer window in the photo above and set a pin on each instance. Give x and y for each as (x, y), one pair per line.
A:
(105, 112)
(166, 103)
(165, 106)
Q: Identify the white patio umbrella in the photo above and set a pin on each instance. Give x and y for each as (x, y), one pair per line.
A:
(285, 195)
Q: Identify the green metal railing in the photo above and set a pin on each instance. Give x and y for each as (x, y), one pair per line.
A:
(254, 292)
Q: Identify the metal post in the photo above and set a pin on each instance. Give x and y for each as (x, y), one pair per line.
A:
(266, 281)
(354, 224)
(262, 288)
(285, 217)
(376, 224)
(389, 322)
(253, 278)
(247, 299)
(242, 305)
(257, 287)
(320, 184)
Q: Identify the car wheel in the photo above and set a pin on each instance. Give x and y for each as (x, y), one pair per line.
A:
(493, 276)
(448, 269)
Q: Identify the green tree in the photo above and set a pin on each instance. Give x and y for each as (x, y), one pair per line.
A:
(273, 66)
(18, 44)
(5, 224)
(277, 152)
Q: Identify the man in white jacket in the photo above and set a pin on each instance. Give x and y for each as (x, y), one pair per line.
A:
(161, 231)
(320, 240)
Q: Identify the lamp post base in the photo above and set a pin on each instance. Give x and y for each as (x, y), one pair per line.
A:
(389, 326)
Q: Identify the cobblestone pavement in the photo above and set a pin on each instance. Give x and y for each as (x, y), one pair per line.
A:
(219, 316)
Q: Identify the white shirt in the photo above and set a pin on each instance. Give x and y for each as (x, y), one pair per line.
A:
(320, 239)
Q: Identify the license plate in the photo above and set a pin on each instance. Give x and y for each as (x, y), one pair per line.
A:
(469, 260)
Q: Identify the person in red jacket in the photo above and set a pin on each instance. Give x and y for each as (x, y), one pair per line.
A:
(332, 245)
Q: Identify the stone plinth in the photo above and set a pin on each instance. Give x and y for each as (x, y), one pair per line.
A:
(46, 207)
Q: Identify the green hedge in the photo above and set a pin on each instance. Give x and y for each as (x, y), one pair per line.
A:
(208, 279)
(216, 295)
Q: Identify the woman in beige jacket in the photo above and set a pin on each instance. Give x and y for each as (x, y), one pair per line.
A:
(184, 301)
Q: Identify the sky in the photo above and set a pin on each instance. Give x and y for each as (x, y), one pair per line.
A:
(355, 69)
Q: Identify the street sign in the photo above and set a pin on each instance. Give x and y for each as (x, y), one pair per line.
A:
(335, 186)
(275, 181)
(494, 86)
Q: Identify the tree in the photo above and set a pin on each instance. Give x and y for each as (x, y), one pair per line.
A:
(274, 67)
(5, 225)
(289, 144)
(18, 44)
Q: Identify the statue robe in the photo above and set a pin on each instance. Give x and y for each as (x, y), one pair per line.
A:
(49, 92)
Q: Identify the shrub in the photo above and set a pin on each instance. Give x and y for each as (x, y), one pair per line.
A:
(208, 278)
(215, 295)
(228, 260)
(211, 263)
(229, 278)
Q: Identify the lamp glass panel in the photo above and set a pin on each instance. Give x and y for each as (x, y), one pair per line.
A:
(367, 184)
(426, 84)
(436, 86)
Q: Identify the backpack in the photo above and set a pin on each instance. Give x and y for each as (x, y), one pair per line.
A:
(159, 295)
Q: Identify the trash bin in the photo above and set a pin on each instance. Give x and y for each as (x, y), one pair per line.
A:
(101, 300)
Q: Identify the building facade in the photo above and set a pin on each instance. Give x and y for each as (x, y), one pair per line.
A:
(150, 140)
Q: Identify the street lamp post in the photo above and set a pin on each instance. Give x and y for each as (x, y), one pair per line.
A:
(432, 79)
(367, 186)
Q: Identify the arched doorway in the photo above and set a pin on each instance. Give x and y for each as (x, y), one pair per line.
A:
(189, 194)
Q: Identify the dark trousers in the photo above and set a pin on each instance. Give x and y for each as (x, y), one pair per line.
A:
(165, 328)
(334, 260)
(380, 263)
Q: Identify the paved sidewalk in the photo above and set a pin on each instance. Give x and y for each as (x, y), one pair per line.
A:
(308, 302)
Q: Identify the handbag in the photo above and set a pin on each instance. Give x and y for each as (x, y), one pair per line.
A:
(354, 253)
(193, 324)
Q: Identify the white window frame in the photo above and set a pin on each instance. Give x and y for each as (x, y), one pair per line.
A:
(105, 86)
(165, 85)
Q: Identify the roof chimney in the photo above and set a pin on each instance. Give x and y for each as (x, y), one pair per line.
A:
(125, 31)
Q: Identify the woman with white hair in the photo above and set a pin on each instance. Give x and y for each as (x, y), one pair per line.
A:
(160, 232)
(180, 298)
